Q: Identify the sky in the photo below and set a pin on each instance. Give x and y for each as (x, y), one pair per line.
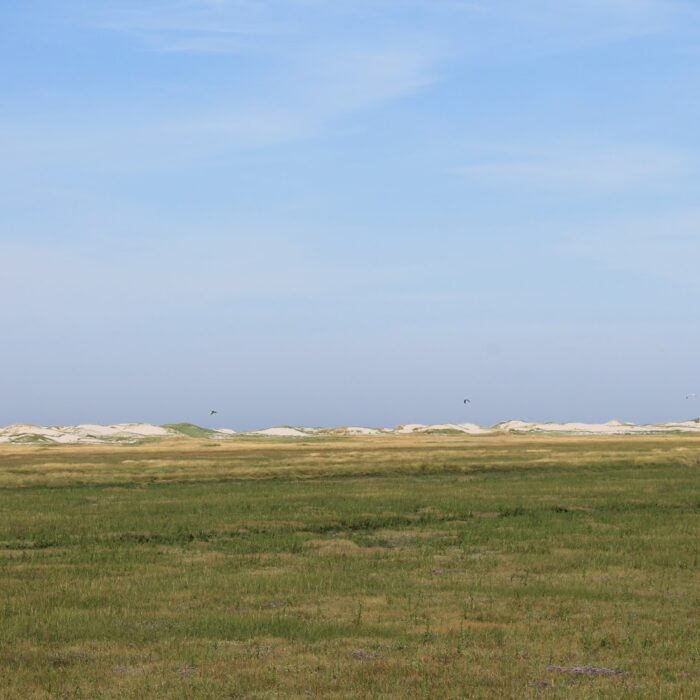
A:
(349, 212)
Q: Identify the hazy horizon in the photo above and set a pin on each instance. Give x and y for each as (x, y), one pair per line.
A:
(468, 427)
(306, 213)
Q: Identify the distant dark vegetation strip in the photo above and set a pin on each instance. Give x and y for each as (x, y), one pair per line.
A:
(424, 470)
(349, 525)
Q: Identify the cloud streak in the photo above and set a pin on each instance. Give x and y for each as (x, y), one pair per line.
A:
(307, 94)
(506, 26)
(598, 169)
(318, 62)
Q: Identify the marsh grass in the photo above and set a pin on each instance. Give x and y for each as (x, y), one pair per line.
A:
(427, 566)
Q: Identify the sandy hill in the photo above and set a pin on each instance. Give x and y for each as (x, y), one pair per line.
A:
(137, 432)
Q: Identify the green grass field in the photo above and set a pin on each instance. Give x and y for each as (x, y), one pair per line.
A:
(385, 567)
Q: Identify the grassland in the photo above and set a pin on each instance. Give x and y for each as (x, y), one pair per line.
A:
(383, 567)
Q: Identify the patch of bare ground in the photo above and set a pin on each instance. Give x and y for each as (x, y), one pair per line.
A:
(586, 670)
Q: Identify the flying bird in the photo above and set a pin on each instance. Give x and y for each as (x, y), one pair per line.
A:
(212, 412)
(466, 401)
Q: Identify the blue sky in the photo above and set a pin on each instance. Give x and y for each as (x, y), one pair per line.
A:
(306, 212)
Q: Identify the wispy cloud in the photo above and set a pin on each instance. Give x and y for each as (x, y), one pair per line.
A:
(552, 26)
(599, 168)
(325, 88)
(477, 26)
(191, 25)
(315, 62)
(305, 72)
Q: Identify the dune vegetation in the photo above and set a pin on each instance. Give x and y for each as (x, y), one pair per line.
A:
(443, 566)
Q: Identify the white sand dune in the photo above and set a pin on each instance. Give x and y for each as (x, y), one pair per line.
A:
(119, 430)
(279, 432)
(612, 427)
(86, 432)
(470, 428)
(359, 430)
(409, 428)
(27, 432)
(134, 432)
